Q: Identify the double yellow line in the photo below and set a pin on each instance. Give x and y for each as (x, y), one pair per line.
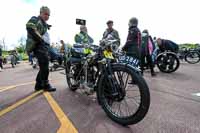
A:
(66, 125)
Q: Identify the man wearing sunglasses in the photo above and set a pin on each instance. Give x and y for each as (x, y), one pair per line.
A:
(36, 43)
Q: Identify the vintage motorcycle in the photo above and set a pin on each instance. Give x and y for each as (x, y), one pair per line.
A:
(13, 57)
(192, 56)
(166, 61)
(121, 91)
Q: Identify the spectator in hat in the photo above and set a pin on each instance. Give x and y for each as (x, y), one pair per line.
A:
(111, 32)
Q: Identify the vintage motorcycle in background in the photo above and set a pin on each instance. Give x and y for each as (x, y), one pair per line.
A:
(13, 58)
(192, 56)
(167, 62)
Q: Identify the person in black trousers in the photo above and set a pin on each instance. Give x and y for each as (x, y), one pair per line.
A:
(1, 59)
(37, 32)
(147, 49)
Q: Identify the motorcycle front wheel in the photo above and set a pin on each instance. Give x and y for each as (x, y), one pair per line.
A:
(70, 72)
(129, 102)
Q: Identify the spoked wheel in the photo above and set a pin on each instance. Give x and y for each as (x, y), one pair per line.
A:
(129, 102)
(168, 62)
(192, 57)
(70, 77)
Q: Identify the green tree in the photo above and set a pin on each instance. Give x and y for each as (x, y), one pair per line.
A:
(21, 47)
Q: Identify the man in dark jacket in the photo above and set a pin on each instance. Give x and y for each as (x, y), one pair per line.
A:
(132, 46)
(1, 59)
(37, 29)
(0, 51)
(167, 45)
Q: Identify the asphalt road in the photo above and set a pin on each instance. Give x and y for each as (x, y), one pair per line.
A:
(175, 106)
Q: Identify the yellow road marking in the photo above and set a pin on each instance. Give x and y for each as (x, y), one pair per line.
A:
(17, 85)
(66, 125)
(14, 86)
(7, 88)
(12, 107)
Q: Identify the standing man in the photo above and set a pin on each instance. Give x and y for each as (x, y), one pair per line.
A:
(83, 37)
(110, 31)
(62, 49)
(36, 31)
(65, 48)
(30, 58)
(1, 58)
(133, 43)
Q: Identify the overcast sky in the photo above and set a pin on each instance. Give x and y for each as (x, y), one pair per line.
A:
(177, 20)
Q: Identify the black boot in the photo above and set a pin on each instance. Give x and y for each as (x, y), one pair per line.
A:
(49, 88)
(38, 86)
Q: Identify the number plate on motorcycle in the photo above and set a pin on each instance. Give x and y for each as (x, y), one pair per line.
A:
(129, 60)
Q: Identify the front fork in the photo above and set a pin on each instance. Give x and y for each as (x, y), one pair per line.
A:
(117, 92)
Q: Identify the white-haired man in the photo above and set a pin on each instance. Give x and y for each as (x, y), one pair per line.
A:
(36, 31)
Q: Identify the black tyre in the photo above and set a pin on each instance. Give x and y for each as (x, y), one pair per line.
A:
(136, 86)
(70, 77)
(34, 66)
(192, 57)
(168, 62)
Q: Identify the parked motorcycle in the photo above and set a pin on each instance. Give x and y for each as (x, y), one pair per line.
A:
(192, 56)
(121, 92)
(13, 57)
(167, 62)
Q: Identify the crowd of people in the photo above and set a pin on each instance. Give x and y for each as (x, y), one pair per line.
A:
(139, 44)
